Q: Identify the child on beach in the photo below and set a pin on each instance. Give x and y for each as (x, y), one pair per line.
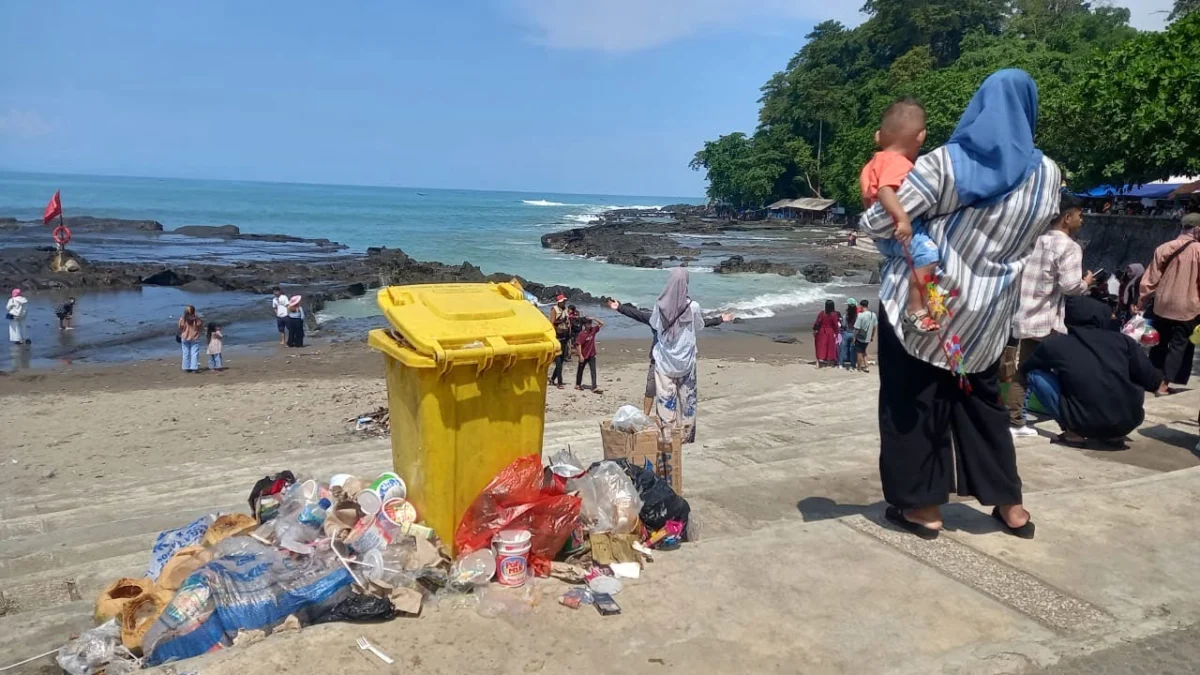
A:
(585, 346)
(216, 343)
(899, 138)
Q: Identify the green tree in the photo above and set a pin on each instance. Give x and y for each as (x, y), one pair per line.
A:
(1137, 107)
(1183, 8)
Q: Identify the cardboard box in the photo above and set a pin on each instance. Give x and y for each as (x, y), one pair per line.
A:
(637, 448)
(646, 448)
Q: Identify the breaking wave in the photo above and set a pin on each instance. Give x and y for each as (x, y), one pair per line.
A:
(543, 202)
(768, 304)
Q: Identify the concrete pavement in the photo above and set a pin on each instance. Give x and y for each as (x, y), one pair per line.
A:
(796, 572)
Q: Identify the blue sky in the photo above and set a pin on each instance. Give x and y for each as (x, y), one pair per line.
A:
(603, 96)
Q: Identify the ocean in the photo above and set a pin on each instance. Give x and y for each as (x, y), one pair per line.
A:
(497, 231)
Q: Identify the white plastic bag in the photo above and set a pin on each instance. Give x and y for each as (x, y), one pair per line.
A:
(612, 503)
(631, 420)
(1135, 327)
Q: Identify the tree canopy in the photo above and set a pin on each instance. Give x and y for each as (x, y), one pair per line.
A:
(1115, 104)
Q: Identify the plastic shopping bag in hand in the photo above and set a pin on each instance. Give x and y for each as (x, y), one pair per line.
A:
(515, 499)
(1135, 327)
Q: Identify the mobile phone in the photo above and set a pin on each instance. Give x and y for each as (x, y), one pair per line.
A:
(605, 604)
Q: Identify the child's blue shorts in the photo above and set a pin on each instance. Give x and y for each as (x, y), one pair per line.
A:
(924, 251)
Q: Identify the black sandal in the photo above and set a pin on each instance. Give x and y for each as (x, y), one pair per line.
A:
(1061, 439)
(896, 517)
(1023, 532)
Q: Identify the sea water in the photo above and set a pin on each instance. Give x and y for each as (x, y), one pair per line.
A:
(497, 231)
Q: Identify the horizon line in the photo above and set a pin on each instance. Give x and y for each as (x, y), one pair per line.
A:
(318, 184)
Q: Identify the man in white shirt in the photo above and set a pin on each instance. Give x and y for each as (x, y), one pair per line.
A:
(280, 306)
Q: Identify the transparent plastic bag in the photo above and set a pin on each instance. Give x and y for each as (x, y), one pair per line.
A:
(616, 502)
(631, 420)
(96, 650)
(1135, 327)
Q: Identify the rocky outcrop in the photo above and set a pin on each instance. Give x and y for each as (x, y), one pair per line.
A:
(234, 232)
(737, 265)
(818, 273)
(617, 244)
(635, 260)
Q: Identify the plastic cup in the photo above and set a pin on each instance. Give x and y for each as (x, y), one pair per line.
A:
(369, 502)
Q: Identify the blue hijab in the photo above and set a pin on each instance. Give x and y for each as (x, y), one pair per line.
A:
(992, 149)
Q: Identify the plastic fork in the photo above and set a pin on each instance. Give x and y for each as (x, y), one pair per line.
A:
(368, 647)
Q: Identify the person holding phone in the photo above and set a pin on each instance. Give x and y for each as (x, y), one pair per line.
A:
(1053, 273)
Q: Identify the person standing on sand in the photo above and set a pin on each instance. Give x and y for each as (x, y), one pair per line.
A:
(642, 316)
(15, 311)
(295, 322)
(676, 319)
(864, 333)
(1173, 281)
(585, 343)
(279, 308)
(216, 345)
(986, 196)
(560, 318)
(825, 335)
(188, 333)
(847, 355)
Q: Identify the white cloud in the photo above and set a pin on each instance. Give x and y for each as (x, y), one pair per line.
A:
(632, 25)
(23, 124)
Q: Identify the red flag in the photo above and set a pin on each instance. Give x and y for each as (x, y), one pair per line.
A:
(53, 209)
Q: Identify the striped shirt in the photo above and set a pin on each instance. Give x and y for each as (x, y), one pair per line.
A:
(983, 251)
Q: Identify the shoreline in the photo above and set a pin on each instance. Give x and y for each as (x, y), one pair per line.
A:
(134, 274)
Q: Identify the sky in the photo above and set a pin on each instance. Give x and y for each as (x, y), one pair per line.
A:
(580, 96)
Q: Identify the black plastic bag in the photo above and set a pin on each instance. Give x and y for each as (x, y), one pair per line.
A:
(659, 502)
(360, 609)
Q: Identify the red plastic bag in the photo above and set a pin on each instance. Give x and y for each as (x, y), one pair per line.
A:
(515, 499)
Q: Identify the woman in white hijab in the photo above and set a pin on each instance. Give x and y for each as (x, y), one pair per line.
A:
(676, 319)
(15, 311)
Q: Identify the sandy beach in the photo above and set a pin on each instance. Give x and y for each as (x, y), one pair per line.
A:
(103, 421)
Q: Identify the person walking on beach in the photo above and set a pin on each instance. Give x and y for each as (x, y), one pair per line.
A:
(279, 309)
(847, 352)
(15, 311)
(864, 333)
(1173, 282)
(986, 196)
(643, 316)
(188, 333)
(295, 318)
(585, 344)
(216, 345)
(826, 330)
(1052, 273)
(676, 319)
(560, 318)
(65, 314)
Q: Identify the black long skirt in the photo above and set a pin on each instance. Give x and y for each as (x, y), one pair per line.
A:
(936, 438)
(295, 332)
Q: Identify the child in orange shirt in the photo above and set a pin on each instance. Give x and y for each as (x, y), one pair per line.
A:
(899, 138)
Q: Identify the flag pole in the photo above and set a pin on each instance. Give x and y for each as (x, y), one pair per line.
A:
(61, 247)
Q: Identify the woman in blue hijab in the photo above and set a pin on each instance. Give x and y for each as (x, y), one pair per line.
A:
(985, 196)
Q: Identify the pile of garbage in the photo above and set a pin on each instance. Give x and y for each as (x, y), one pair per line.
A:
(344, 549)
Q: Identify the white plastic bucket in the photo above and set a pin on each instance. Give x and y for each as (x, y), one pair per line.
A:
(512, 556)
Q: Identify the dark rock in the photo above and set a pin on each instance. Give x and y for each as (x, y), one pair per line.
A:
(167, 277)
(210, 231)
(712, 243)
(737, 264)
(785, 339)
(635, 260)
(90, 224)
(818, 273)
(356, 289)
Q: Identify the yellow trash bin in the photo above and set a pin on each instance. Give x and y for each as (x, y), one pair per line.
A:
(466, 374)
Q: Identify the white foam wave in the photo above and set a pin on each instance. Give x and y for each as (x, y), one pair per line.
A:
(583, 218)
(766, 305)
(543, 202)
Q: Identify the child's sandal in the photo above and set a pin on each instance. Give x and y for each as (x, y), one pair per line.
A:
(922, 323)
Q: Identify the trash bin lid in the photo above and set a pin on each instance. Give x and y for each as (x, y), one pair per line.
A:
(467, 323)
